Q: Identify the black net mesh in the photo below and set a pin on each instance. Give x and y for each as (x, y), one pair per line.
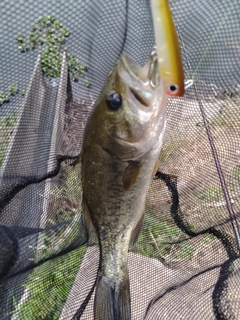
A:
(186, 262)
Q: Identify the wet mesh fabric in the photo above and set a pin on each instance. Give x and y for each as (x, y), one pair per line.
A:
(186, 262)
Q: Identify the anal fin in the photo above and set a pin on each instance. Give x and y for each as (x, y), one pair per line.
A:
(155, 168)
(92, 235)
(136, 232)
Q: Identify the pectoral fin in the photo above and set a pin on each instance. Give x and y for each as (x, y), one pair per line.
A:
(130, 174)
(136, 232)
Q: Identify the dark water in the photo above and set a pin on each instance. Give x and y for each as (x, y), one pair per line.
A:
(210, 33)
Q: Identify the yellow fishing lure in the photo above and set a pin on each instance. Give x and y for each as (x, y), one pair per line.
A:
(168, 50)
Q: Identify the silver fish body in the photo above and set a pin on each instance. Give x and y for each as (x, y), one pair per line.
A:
(121, 147)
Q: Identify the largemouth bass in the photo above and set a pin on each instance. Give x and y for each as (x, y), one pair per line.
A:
(119, 157)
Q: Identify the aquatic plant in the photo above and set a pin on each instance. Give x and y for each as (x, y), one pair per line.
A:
(50, 33)
(5, 96)
(57, 24)
(19, 38)
(13, 89)
(87, 83)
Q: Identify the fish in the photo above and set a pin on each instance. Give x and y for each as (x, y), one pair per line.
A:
(119, 157)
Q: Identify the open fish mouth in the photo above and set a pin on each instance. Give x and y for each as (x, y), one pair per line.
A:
(148, 75)
(143, 82)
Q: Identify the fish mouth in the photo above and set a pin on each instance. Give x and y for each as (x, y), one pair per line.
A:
(142, 82)
(148, 75)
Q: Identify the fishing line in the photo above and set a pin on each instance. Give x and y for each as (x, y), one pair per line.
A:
(214, 151)
(213, 38)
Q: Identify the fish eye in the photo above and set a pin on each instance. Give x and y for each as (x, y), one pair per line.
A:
(114, 100)
(173, 88)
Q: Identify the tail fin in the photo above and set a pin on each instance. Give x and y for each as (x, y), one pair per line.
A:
(112, 299)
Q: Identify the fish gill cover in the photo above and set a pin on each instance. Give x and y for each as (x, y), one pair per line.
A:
(185, 264)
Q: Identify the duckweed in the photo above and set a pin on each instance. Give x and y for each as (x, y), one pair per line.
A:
(5, 96)
(50, 33)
